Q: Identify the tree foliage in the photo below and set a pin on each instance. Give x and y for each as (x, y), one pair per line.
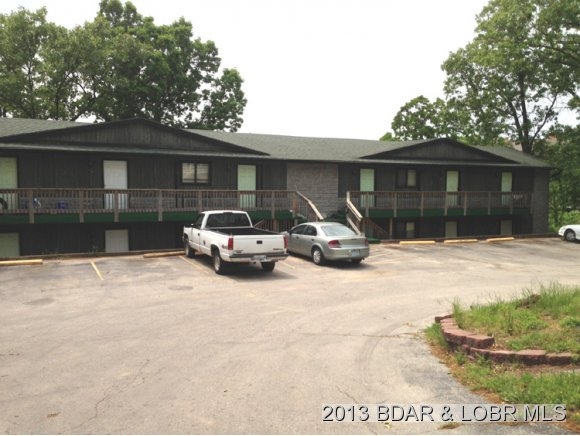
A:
(510, 83)
(120, 65)
(511, 74)
(563, 153)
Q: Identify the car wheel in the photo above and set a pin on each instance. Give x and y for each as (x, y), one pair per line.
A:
(268, 266)
(219, 266)
(317, 256)
(189, 252)
(570, 236)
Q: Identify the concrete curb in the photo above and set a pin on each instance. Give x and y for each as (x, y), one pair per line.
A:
(477, 345)
(21, 262)
(163, 254)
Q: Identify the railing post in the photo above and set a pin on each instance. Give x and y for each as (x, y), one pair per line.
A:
(489, 202)
(465, 203)
(30, 204)
(273, 205)
(367, 205)
(81, 206)
(199, 201)
(511, 203)
(159, 205)
(116, 206)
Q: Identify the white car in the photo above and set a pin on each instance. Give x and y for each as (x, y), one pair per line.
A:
(570, 232)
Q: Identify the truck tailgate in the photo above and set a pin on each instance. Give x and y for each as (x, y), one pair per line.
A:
(260, 244)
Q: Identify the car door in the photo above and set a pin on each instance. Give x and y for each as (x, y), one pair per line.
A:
(196, 233)
(295, 239)
(309, 239)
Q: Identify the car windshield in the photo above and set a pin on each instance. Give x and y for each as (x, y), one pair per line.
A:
(337, 231)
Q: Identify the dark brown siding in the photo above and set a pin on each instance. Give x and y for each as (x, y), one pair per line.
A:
(87, 238)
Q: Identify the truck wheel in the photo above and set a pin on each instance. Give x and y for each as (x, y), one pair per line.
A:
(219, 265)
(317, 256)
(268, 266)
(189, 252)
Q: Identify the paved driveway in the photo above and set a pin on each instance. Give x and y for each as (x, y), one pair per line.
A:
(164, 345)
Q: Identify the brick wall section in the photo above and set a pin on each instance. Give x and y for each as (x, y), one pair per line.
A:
(481, 345)
(318, 182)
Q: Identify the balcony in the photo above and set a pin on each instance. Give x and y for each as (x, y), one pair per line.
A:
(415, 204)
(35, 206)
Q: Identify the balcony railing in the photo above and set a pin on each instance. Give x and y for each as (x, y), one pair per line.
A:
(33, 202)
(440, 202)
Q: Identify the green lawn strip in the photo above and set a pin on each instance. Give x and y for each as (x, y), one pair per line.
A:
(547, 319)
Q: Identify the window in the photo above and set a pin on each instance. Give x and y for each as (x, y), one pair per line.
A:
(337, 230)
(299, 230)
(310, 231)
(195, 173)
(406, 178)
(405, 230)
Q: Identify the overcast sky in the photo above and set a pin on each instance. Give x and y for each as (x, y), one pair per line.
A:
(328, 68)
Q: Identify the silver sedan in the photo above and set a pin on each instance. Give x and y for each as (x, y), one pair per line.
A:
(327, 241)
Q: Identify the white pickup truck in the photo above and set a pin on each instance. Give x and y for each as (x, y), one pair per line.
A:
(228, 236)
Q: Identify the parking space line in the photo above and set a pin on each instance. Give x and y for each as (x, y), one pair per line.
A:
(195, 265)
(97, 270)
(286, 264)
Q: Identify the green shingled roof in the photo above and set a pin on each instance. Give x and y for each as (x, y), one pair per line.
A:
(19, 126)
(348, 150)
(280, 147)
(306, 148)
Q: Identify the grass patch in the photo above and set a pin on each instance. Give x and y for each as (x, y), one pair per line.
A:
(547, 319)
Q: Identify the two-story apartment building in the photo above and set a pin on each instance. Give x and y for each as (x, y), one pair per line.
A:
(69, 187)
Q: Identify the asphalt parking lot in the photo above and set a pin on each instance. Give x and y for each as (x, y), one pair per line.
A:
(164, 345)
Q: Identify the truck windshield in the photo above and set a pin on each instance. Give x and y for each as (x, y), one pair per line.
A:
(228, 220)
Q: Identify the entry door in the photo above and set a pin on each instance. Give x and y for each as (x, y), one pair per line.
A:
(8, 180)
(506, 228)
(247, 182)
(506, 187)
(367, 184)
(115, 177)
(9, 245)
(451, 229)
(452, 188)
(116, 241)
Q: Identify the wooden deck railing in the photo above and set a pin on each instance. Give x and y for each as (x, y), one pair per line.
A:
(86, 201)
(459, 202)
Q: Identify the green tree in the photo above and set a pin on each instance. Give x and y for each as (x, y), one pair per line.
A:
(511, 76)
(563, 153)
(121, 65)
(417, 119)
(510, 83)
(23, 37)
(422, 119)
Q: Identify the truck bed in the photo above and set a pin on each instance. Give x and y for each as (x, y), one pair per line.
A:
(241, 231)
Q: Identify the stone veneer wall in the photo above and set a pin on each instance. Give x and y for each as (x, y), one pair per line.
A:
(318, 182)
